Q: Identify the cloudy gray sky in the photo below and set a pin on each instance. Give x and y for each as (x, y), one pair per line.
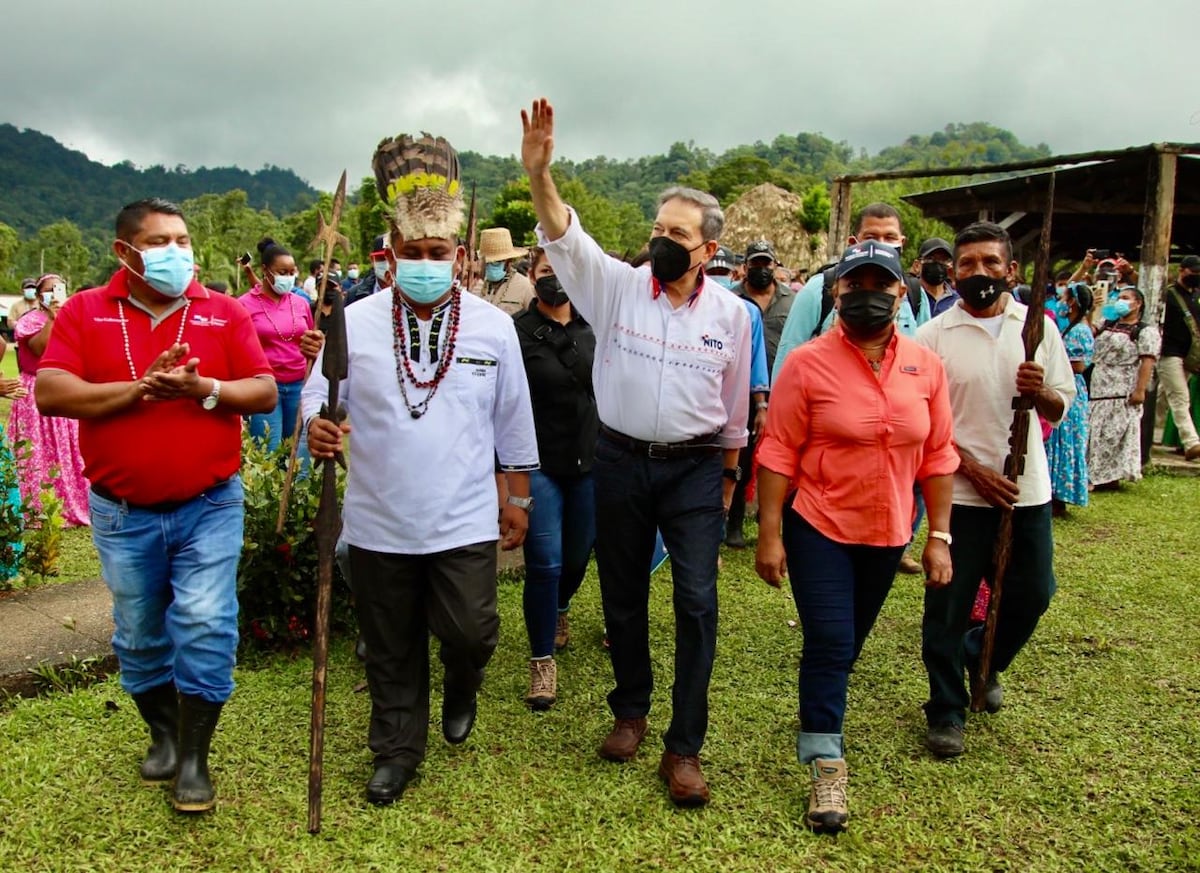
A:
(314, 85)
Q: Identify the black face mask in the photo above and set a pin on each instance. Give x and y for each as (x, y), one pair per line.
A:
(980, 292)
(865, 313)
(550, 291)
(934, 273)
(668, 259)
(1192, 281)
(760, 278)
(329, 297)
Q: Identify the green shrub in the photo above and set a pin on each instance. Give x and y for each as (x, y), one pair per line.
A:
(43, 536)
(277, 576)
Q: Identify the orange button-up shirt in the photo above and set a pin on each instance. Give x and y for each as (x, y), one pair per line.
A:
(852, 443)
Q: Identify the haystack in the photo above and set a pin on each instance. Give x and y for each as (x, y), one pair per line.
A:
(769, 212)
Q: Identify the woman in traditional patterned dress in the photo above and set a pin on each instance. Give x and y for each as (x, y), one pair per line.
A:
(10, 494)
(1126, 349)
(1066, 449)
(51, 456)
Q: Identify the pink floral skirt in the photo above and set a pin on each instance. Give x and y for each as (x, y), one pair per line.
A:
(49, 456)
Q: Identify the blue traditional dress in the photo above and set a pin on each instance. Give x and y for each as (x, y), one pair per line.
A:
(1066, 449)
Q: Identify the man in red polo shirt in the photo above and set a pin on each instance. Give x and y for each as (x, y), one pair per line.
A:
(159, 371)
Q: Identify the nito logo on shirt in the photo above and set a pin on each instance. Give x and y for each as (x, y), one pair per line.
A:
(712, 342)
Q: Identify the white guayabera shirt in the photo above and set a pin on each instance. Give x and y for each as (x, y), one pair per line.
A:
(661, 374)
(422, 485)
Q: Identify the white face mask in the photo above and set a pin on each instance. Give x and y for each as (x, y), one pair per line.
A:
(352, 273)
(30, 294)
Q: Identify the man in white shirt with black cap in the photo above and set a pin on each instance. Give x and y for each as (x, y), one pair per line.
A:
(672, 380)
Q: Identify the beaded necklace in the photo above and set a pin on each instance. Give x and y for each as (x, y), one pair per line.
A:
(133, 374)
(403, 317)
(291, 310)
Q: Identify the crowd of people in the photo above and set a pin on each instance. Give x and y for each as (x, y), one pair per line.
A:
(571, 403)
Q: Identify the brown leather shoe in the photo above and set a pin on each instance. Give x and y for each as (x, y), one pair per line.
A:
(623, 740)
(684, 779)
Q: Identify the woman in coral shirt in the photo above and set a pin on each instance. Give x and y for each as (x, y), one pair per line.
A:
(856, 417)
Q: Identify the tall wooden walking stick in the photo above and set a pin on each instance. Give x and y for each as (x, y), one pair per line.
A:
(335, 364)
(472, 224)
(328, 236)
(1018, 444)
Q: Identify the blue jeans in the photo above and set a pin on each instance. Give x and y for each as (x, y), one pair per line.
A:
(682, 497)
(173, 578)
(280, 423)
(919, 501)
(562, 530)
(839, 590)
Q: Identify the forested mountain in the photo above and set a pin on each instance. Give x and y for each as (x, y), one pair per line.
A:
(56, 205)
(43, 181)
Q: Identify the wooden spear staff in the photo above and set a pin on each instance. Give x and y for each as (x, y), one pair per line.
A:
(335, 364)
(328, 236)
(472, 222)
(1018, 444)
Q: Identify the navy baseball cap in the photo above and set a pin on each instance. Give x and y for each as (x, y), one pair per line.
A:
(870, 252)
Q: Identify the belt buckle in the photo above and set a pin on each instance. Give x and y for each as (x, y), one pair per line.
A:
(653, 448)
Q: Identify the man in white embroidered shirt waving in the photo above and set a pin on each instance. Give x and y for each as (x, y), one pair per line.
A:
(672, 379)
(436, 396)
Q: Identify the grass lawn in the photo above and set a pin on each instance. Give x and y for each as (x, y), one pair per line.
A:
(1092, 765)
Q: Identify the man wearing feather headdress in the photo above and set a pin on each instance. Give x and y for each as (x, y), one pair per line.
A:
(436, 396)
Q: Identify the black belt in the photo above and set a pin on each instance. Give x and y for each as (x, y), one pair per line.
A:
(701, 445)
(163, 507)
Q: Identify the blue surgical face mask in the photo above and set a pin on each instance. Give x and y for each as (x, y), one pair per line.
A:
(30, 294)
(380, 268)
(424, 281)
(284, 284)
(723, 281)
(1116, 310)
(494, 272)
(167, 269)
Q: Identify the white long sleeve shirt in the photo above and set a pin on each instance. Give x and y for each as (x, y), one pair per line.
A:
(981, 371)
(661, 374)
(424, 485)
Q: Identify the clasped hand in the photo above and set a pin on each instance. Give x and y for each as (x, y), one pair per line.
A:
(172, 376)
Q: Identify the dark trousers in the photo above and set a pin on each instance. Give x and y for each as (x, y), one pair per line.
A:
(681, 497)
(946, 644)
(839, 590)
(400, 601)
(737, 505)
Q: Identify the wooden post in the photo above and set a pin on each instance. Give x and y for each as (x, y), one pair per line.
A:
(839, 218)
(1156, 255)
(1156, 231)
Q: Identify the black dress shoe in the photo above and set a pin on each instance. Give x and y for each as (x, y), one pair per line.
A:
(388, 783)
(458, 717)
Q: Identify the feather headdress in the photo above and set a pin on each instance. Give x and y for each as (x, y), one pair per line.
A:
(418, 179)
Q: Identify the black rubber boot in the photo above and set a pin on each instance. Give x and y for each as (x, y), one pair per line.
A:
(160, 710)
(197, 721)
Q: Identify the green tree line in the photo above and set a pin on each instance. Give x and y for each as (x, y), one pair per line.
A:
(58, 213)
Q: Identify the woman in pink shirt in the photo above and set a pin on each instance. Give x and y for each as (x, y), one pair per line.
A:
(284, 324)
(856, 417)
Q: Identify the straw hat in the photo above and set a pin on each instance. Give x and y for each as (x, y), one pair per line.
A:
(495, 244)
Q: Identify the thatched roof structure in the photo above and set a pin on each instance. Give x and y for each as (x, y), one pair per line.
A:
(769, 212)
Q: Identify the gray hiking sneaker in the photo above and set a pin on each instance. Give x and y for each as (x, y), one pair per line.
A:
(827, 810)
(543, 683)
(945, 740)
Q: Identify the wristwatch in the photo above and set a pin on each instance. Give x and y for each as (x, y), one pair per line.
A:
(525, 503)
(210, 402)
(733, 474)
(943, 536)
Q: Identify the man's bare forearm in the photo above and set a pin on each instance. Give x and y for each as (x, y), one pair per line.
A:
(65, 395)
